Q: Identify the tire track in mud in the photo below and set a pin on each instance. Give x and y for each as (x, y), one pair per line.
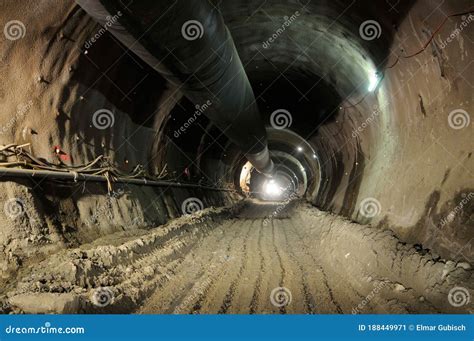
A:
(341, 285)
(348, 300)
(207, 301)
(216, 296)
(238, 277)
(232, 264)
(248, 285)
(235, 268)
(186, 279)
(280, 262)
(309, 305)
(258, 284)
(272, 272)
(323, 276)
(267, 278)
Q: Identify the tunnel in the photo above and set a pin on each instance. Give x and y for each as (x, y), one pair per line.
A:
(123, 191)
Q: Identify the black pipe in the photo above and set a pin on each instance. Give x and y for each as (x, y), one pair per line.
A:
(188, 42)
(6, 174)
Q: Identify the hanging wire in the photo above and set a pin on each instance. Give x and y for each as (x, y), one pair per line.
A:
(411, 55)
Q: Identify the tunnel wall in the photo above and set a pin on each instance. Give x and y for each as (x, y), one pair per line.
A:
(420, 171)
(395, 152)
(405, 155)
(54, 77)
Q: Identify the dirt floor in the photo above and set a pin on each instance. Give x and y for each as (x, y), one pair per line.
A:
(252, 258)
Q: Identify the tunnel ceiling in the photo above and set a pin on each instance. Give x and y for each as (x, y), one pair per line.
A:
(310, 80)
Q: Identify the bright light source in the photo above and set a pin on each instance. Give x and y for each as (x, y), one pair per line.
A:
(300, 149)
(272, 188)
(314, 156)
(374, 80)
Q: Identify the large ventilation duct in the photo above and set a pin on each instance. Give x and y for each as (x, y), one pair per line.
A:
(189, 44)
(399, 158)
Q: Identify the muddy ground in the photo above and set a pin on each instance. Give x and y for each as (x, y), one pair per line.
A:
(251, 258)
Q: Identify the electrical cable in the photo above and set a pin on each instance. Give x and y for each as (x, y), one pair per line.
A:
(425, 46)
(99, 170)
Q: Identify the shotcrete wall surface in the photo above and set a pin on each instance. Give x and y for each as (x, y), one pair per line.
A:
(398, 158)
